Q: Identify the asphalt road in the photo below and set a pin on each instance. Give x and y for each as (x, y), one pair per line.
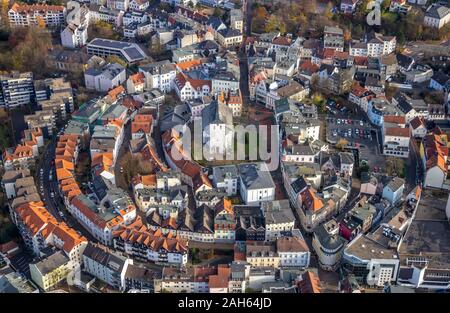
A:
(45, 185)
(414, 174)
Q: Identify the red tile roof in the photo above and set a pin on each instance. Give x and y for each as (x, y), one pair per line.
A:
(417, 122)
(398, 132)
(398, 119)
(309, 283)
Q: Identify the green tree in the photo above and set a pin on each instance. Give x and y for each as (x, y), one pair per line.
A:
(31, 53)
(385, 5)
(328, 10)
(102, 29)
(274, 23)
(4, 7)
(341, 144)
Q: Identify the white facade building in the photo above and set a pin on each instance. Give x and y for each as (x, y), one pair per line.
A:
(112, 75)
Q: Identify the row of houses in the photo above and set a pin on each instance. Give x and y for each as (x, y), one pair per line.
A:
(436, 15)
(48, 239)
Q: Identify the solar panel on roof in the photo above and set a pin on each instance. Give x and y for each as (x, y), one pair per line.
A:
(133, 53)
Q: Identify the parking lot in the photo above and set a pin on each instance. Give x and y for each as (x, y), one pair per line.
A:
(361, 136)
(355, 131)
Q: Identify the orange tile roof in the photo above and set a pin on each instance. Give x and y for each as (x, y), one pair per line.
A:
(189, 64)
(117, 122)
(62, 173)
(24, 8)
(225, 205)
(309, 283)
(115, 92)
(341, 55)
(309, 67)
(437, 160)
(149, 180)
(105, 158)
(19, 152)
(61, 163)
(153, 240)
(138, 78)
(37, 219)
(68, 236)
(311, 201)
(67, 181)
(358, 90)
(222, 278)
(141, 124)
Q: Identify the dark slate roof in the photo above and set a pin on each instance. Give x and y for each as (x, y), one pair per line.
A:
(214, 22)
(441, 77)
(404, 60)
(299, 185)
(330, 242)
(438, 11)
(253, 178)
(229, 32)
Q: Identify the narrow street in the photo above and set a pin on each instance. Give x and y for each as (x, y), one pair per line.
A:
(55, 204)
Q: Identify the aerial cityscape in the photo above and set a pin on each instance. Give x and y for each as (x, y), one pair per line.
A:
(225, 146)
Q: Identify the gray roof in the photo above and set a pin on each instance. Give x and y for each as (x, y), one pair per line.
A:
(220, 173)
(366, 248)
(278, 211)
(328, 241)
(130, 51)
(112, 70)
(333, 30)
(302, 149)
(255, 176)
(396, 183)
(428, 236)
(52, 262)
(104, 257)
(161, 67)
(141, 273)
(437, 11)
(216, 113)
(347, 158)
(13, 282)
